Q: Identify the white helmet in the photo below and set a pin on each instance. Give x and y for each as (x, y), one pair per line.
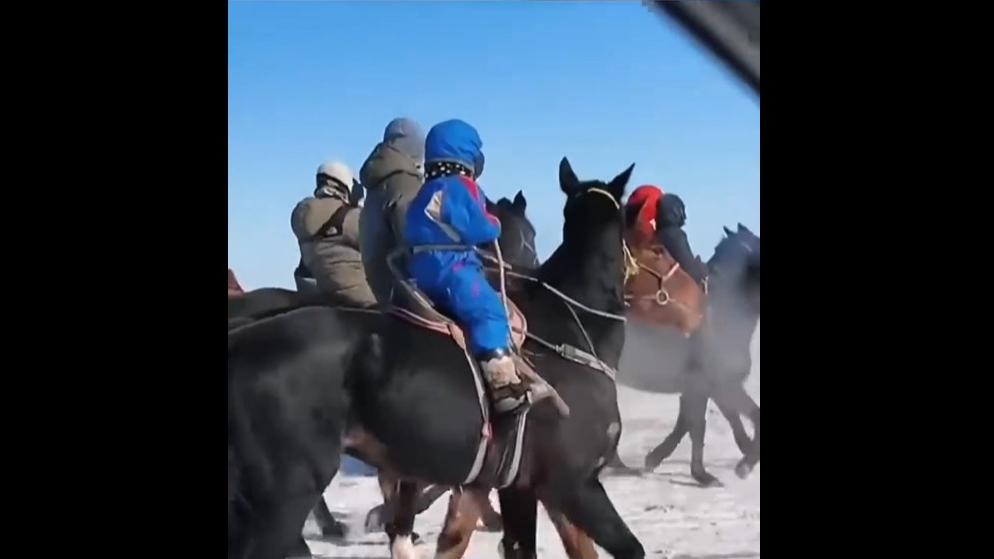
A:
(338, 171)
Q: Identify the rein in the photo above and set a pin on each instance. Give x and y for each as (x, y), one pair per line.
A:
(565, 351)
(662, 296)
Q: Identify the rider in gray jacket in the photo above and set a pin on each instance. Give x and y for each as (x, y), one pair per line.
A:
(392, 176)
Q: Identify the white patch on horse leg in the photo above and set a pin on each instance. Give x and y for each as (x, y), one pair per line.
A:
(402, 548)
(613, 429)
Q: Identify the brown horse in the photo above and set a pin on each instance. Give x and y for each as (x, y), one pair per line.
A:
(662, 292)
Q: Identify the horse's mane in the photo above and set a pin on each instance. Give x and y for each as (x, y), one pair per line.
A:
(725, 247)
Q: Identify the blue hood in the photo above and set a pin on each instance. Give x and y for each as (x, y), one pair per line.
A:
(456, 141)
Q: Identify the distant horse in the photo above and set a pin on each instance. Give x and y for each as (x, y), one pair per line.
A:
(303, 386)
(662, 356)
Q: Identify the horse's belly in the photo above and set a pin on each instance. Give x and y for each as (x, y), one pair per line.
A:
(654, 358)
(426, 412)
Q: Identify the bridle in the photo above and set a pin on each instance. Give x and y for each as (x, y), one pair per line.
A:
(662, 296)
(631, 265)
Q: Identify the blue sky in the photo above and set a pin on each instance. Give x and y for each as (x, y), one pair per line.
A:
(605, 84)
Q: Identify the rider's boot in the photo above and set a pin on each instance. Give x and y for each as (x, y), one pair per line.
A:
(507, 391)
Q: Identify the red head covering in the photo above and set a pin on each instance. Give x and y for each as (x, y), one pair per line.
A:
(645, 201)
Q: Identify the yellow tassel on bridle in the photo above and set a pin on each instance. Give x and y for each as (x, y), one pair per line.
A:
(631, 264)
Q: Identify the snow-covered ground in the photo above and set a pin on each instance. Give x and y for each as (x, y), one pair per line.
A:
(667, 511)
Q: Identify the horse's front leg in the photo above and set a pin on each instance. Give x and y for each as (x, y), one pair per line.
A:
(697, 410)
(327, 524)
(588, 508)
(577, 543)
(518, 507)
(669, 444)
(464, 510)
(401, 524)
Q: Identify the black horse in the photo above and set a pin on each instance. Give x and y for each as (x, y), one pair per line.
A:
(712, 365)
(305, 385)
(517, 243)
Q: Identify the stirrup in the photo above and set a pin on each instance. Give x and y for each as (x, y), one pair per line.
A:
(512, 397)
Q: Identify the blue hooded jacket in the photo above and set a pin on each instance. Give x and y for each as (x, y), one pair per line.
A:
(450, 210)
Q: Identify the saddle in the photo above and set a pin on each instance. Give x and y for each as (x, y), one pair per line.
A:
(411, 305)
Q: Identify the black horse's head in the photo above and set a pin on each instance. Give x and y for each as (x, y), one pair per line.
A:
(590, 263)
(517, 234)
(735, 266)
(591, 205)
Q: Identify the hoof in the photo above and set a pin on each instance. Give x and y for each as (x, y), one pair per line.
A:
(651, 462)
(743, 469)
(513, 551)
(706, 479)
(335, 531)
(374, 519)
(490, 523)
(299, 551)
(403, 548)
(621, 471)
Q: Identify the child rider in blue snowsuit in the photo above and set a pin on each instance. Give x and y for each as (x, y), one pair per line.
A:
(450, 209)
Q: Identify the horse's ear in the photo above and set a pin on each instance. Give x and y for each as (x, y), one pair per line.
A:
(744, 229)
(728, 232)
(618, 183)
(519, 202)
(567, 178)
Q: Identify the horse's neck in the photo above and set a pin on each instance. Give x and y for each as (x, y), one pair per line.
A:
(730, 326)
(591, 275)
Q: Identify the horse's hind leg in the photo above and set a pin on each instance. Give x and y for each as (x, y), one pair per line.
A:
(697, 409)
(378, 516)
(669, 444)
(734, 418)
(615, 466)
(401, 524)
(490, 518)
(578, 545)
(299, 549)
(277, 528)
(518, 508)
(429, 496)
(460, 521)
(330, 528)
(588, 508)
(748, 406)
